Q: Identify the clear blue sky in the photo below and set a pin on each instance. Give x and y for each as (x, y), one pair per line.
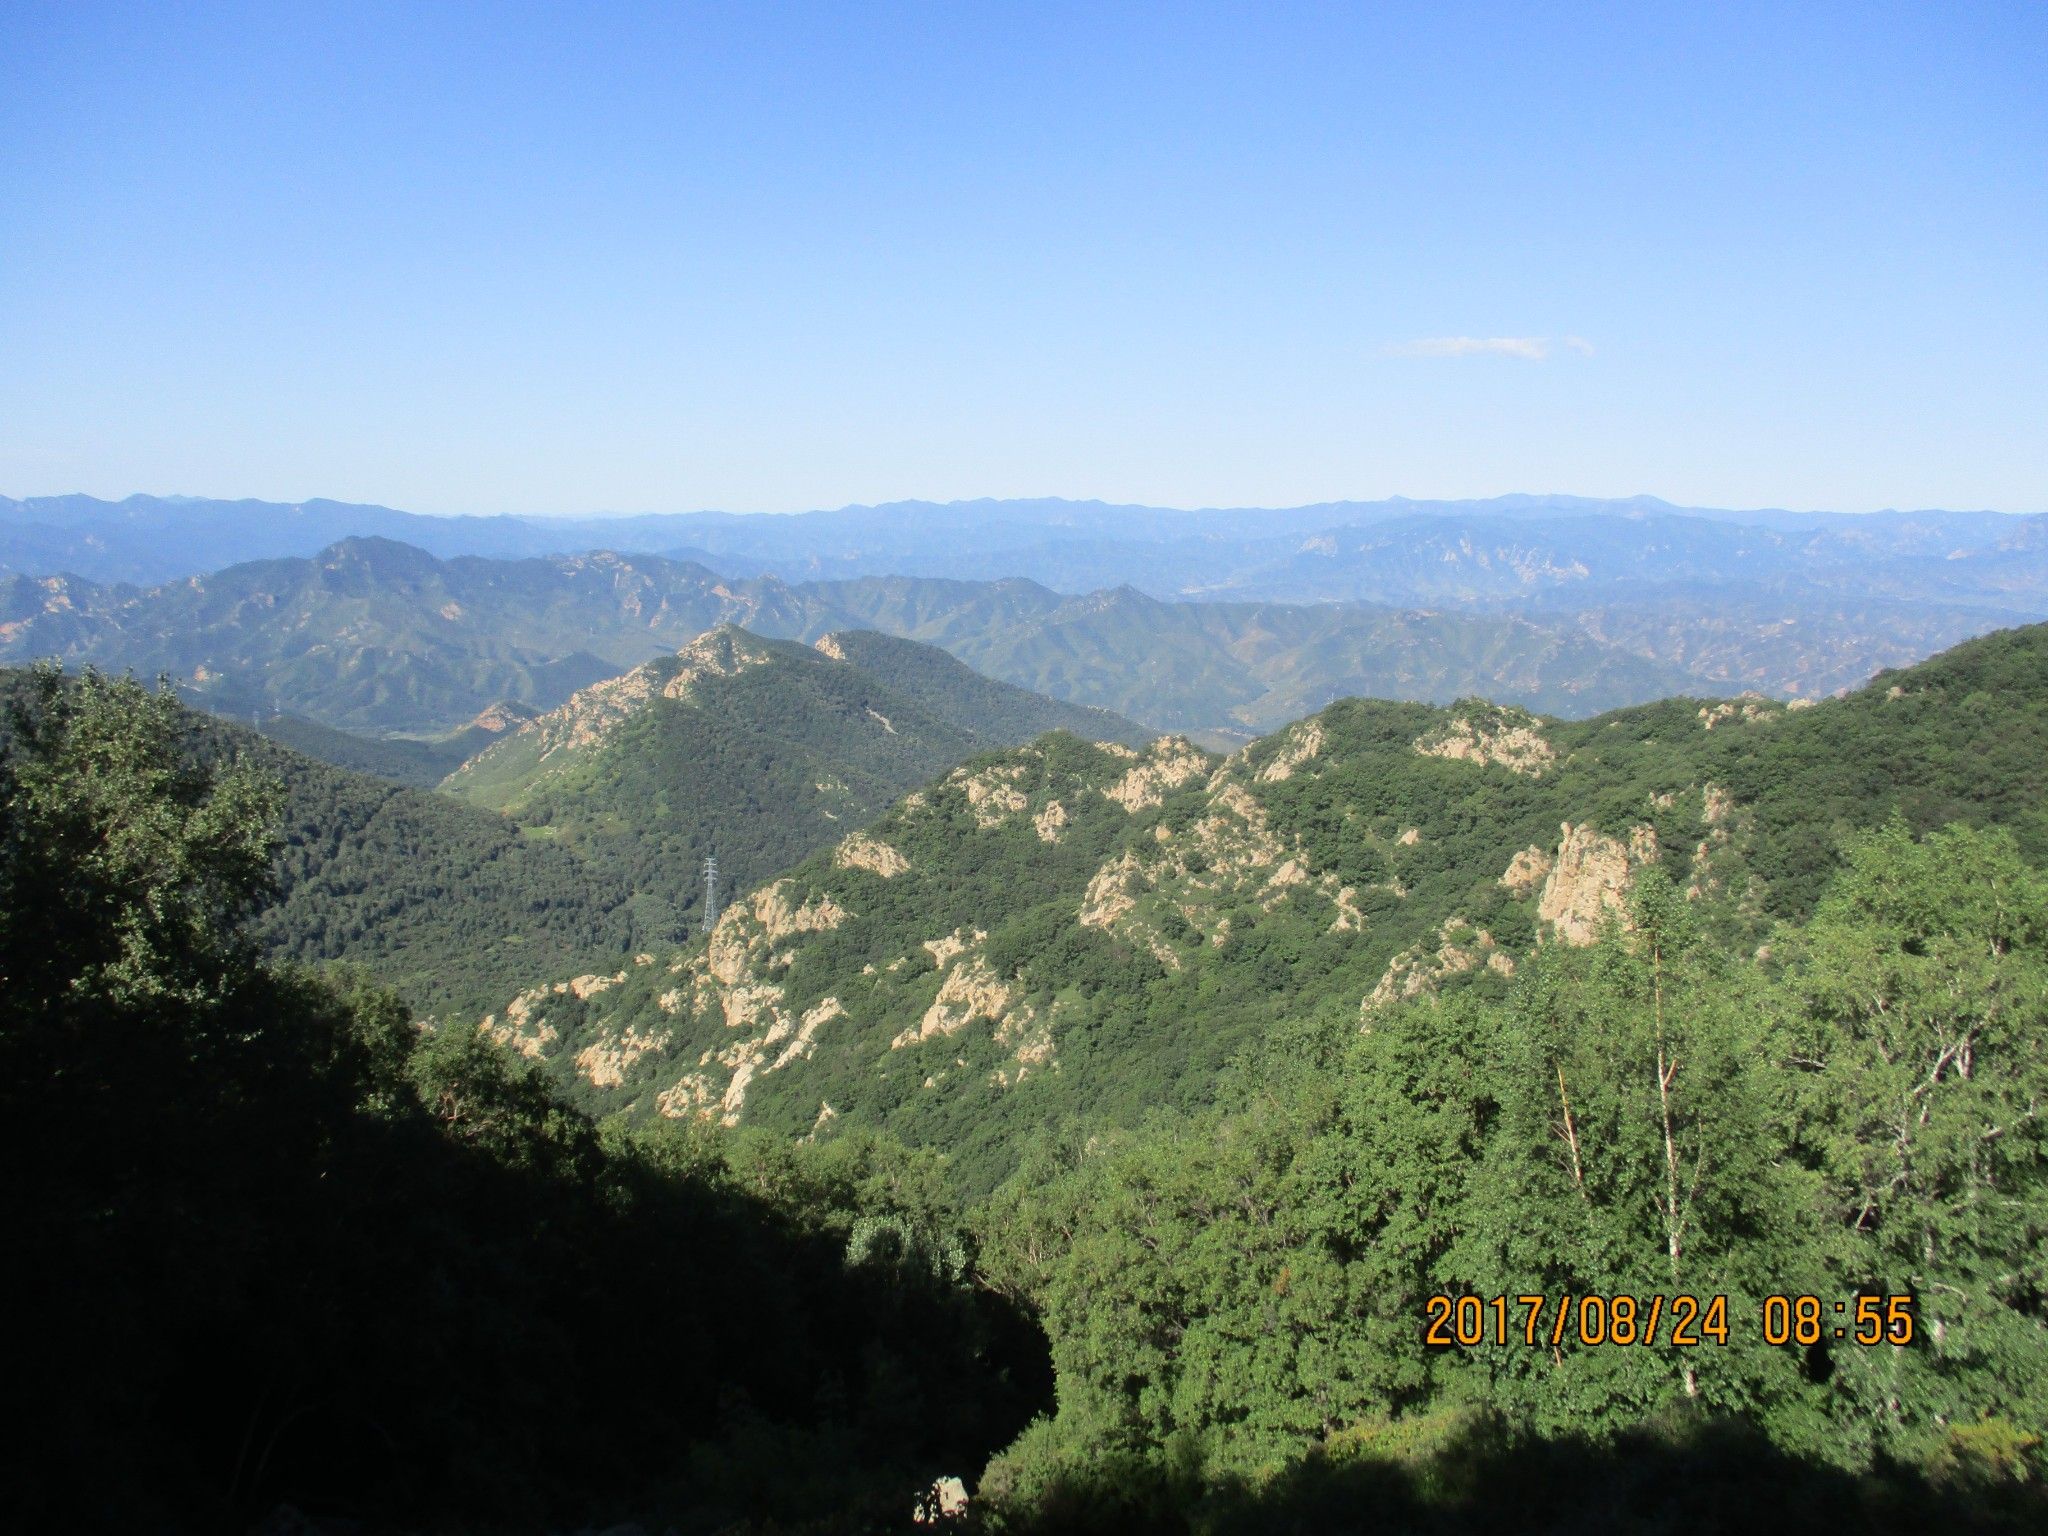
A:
(764, 257)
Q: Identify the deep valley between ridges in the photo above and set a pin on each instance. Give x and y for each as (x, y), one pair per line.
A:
(1076, 929)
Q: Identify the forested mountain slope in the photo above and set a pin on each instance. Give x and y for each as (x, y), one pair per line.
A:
(287, 1251)
(421, 762)
(378, 636)
(436, 899)
(598, 858)
(431, 1295)
(1075, 930)
(1580, 551)
(757, 751)
(373, 636)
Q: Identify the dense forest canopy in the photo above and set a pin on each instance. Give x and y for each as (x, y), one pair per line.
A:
(1132, 1190)
(1069, 931)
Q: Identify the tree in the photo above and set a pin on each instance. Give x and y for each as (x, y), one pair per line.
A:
(1923, 985)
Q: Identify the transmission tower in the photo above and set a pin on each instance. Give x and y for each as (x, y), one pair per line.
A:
(710, 893)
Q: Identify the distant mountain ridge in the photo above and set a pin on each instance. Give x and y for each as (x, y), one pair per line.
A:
(1398, 550)
(379, 637)
(762, 751)
(756, 751)
(1072, 932)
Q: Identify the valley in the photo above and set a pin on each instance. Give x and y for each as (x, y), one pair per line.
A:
(1022, 940)
(378, 638)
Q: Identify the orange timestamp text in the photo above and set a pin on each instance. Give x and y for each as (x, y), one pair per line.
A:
(1678, 1321)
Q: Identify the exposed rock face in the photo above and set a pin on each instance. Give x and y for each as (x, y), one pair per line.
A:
(958, 942)
(1167, 764)
(592, 714)
(1349, 919)
(862, 851)
(1051, 823)
(1749, 709)
(1225, 855)
(1029, 1040)
(1512, 738)
(695, 1093)
(1590, 878)
(725, 652)
(744, 932)
(829, 645)
(970, 991)
(1110, 894)
(1525, 871)
(992, 793)
(523, 1029)
(605, 1063)
(501, 717)
(1416, 972)
(806, 1041)
(1303, 742)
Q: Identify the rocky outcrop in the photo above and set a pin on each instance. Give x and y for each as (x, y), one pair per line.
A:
(1051, 823)
(750, 932)
(1749, 709)
(1590, 878)
(592, 714)
(604, 1063)
(862, 851)
(943, 950)
(1303, 742)
(1166, 765)
(970, 991)
(992, 793)
(1112, 892)
(1418, 972)
(1511, 738)
(526, 1029)
(1525, 871)
(501, 717)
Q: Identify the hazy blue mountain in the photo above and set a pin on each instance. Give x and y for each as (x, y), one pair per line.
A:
(376, 636)
(1508, 549)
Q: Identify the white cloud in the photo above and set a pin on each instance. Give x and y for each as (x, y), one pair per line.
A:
(1530, 349)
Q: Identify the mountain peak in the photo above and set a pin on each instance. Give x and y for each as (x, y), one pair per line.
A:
(719, 652)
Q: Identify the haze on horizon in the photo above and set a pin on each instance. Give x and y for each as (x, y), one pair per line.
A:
(504, 261)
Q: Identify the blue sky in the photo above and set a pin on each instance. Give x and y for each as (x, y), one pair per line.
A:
(767, 257)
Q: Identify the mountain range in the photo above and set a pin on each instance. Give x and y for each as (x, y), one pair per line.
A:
(1551, 550)
(574, 837)
(1024, 940)
(378, 637)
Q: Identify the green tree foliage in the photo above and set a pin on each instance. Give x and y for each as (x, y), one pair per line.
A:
(279, 1244)
(1648, 1116)
(1923, 1040)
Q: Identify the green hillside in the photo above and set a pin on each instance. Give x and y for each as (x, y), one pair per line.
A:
(757, 751)
(1072, 930)
(285, 1249)
(434, 898)
(994, 711)
(377, 637)
(1229, 1074)
(419, 762)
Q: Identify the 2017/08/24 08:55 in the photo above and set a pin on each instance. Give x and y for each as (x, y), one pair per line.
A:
(1680, 1321)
